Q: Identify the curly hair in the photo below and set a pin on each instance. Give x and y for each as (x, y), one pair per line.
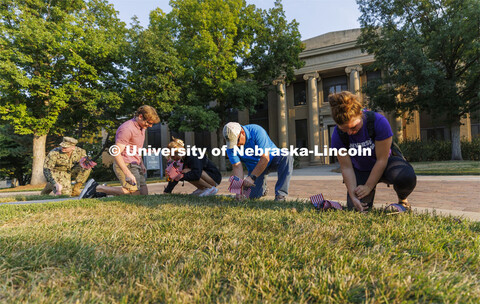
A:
(345, 106)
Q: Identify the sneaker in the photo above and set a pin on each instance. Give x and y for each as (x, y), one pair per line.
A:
(99, 195)
(89, 190)
(280, 198)
(209, 192)
(198, 192)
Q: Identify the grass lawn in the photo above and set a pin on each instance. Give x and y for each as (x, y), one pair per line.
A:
(174, 248)
(466, 167)
(24, 198)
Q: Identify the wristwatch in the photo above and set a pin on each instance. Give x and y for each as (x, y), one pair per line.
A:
(253, 177)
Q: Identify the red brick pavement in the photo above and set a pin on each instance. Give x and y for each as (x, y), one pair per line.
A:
(449, 195)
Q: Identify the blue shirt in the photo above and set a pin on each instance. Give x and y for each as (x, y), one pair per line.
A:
(255, 136)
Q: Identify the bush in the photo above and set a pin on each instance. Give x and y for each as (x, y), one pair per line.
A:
(103, 173)
(436, 150)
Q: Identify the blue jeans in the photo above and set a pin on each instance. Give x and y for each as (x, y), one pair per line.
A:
(281, 164)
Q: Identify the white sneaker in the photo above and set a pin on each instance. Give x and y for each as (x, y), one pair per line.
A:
(198, 191)
(209, 192)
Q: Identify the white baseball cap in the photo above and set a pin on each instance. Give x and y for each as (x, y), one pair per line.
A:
(231, 131)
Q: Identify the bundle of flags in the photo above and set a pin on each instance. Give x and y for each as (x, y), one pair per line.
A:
(174, 170)
(320, 203)
(236, 186)
(87, 163)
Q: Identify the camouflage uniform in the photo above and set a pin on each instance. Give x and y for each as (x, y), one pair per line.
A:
(61, 168)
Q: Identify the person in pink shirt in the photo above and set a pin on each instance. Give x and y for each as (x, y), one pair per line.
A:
(129, 169)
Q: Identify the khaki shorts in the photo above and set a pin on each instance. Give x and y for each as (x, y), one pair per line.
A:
(136, 171)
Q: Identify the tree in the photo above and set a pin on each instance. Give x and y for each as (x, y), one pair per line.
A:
(15, 154)
(153, 66)
(429, 51)
(230, 52)
(60, 62)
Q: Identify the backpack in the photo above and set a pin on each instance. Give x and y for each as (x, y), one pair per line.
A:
(371, 133)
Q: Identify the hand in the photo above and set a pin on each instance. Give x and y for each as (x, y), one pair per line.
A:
(362, 191)
(359, 205)
(248, 182)
(178, 177)
(130, 178)
(186, 170)
(58, 189)
(144, 169)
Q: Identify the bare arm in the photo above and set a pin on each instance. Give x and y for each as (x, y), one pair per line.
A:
(237, 170)
(350, 181)
(121, 164)
(382, 151)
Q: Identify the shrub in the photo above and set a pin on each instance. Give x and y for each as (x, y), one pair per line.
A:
(436, 150)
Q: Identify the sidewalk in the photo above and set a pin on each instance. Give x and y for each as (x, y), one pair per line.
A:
(455, 195)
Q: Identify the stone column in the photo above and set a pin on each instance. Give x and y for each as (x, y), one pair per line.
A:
(313, 125)
(282, 113)
(354, 73)
(326, 141)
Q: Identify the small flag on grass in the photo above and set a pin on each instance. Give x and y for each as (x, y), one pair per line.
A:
(236, 186)
(320, 203)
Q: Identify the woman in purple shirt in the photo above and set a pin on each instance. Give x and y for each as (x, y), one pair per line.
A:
(361, 174)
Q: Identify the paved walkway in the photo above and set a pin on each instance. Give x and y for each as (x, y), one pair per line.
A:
(456, 195)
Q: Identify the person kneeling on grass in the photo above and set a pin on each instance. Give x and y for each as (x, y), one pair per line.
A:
(200, 172)
(356, 127)
(129, 169)
(254, 136)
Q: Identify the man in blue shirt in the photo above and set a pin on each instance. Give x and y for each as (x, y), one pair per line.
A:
(258, 164)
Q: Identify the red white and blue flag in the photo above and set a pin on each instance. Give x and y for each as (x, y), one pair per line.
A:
(317, 201)
(236, 186)
(320, 203)
(174, 169)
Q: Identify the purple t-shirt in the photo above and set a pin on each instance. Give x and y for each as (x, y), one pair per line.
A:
(131, 134)
(382, 132)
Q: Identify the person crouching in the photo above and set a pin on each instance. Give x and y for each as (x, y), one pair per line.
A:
(200, 172)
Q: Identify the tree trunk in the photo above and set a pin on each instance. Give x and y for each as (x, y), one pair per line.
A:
(221, 142)
(38, 159)
(456, 145)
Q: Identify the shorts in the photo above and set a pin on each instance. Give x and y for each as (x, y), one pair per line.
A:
(136, 171)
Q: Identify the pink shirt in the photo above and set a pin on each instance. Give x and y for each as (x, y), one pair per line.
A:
(131, 134)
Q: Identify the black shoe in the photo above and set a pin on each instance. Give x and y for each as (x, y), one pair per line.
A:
(89, 190)
(99, 195)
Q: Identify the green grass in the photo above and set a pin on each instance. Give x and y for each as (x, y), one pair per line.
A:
(24, 198)
(447, 168)
(181, 250)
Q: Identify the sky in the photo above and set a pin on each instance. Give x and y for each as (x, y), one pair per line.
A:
(315, 17)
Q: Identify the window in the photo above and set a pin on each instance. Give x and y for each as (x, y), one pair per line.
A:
(301, 133)
(300, 94)
(334, 85)
(260, 117)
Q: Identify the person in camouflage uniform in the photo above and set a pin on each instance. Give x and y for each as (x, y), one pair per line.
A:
(62, 165)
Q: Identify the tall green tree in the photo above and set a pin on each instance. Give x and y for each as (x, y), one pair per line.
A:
(154, 67)
(60, 62)
(429, 51)
(230, 52)
(15, 154)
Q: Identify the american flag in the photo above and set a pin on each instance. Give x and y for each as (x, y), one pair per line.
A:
(173, 171)
(236, 186)
(317, 201)
(331, 204)
(87, 163)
